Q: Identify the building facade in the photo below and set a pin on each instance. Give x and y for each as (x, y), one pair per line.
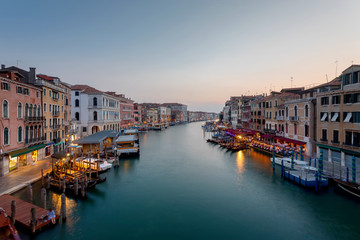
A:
(56, 111)
(338, 122)
(93, 110)
(21, 128)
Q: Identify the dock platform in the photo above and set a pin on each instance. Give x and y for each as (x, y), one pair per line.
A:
(23, 212)
(305, 179)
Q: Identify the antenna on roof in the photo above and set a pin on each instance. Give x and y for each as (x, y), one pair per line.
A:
(17, 62)
(292, 82)
(327, 80)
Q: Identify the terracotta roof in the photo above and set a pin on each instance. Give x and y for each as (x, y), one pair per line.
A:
(334, 82)
(46, 77)
(85, 89)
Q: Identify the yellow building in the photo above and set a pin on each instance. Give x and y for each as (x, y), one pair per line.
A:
(56, 112)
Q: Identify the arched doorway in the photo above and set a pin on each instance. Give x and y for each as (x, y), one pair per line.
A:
(95, 129)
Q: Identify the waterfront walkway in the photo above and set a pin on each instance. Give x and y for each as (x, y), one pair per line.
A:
(19, 178)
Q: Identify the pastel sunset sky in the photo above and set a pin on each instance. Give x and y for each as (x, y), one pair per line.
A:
(197, 52)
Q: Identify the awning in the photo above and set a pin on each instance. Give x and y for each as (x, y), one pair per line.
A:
(348, 117)
(324, 117)
(25, 150)
(74, 146)
(268, 136)
(328, 147)
(58, 143)
(288, 140)
(50, 143)
(335, 117)
(59, 155)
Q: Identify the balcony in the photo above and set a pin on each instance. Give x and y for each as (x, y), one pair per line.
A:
(55, 127)
(34, 119)
(56, 113)
(294, 118)
(280, 118)
(34, 140)
(271, 131)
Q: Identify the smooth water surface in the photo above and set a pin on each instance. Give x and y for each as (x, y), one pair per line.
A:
(182, 187)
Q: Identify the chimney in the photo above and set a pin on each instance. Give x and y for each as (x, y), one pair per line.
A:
(32, 75)
(2, 66)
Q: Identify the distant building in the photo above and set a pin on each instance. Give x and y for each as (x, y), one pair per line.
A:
(178, 111)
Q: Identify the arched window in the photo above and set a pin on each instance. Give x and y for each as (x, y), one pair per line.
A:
(77, 116)
(35, 110)
(19, 112)
(77, 103)
(6, 136)
(5, 109)
(39, 111)
(295, 111)
(26, 110)
(30, 110)
(287, 111)
(20, 134)
(26, 134)
(65, 116)
(95, 101)
(306, 110)
(95, 115)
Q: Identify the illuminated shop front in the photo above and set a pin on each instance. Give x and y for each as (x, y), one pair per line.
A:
(16, 162)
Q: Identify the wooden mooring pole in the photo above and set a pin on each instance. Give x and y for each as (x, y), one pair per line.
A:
(29, 192)
(63, 208)
(43, 197)
(33, 220)
(76, 187)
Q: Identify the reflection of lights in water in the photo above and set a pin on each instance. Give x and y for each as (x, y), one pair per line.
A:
(240, 161)
(126, 166)
(55, 203)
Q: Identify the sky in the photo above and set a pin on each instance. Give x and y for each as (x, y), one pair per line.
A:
(196, 52)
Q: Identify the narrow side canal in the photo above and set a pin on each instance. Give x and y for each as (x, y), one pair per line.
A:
(182, 187)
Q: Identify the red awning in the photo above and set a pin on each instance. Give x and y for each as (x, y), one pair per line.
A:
(288, 140)
(268, 136)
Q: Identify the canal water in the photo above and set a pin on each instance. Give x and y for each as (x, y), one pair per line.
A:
(182, 187)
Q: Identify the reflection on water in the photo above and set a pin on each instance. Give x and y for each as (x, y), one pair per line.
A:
(240, 161)
(127, 165)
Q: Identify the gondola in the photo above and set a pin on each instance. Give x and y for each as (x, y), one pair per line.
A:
(348, 187)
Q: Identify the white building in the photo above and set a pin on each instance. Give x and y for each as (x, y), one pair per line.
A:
(93, 110)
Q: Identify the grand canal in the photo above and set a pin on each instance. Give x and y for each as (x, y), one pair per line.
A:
(182, 187)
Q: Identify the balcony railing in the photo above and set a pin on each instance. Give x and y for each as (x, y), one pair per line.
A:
(33, 119)
(55, 127)
(56, 113)
(294, 118)
(34, 140)
(280, 118)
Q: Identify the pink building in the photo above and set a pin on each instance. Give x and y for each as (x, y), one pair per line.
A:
(21, 128)
(126, 112)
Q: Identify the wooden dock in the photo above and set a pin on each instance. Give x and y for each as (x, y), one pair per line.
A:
(23, 212)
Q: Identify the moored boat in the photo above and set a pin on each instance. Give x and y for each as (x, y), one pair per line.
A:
(348, 187)
(7, 228)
